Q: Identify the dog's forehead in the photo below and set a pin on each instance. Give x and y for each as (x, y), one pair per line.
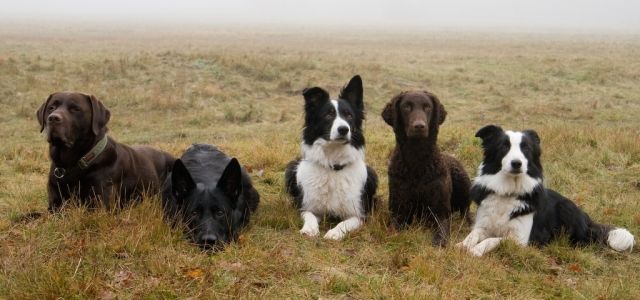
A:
(417, 97)
(341, 104)
(69, 96)
(515, 137)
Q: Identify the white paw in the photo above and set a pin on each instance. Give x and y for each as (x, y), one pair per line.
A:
(620, 239)
(461, 245)
(309, 230)
(334, 234)
(477, 251)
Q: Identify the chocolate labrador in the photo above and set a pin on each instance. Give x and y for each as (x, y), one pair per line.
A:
(89, 166)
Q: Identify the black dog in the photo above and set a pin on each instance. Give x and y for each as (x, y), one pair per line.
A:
(86, 163)
(211, 194)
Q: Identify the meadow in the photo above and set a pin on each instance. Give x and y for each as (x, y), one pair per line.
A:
(240, 89)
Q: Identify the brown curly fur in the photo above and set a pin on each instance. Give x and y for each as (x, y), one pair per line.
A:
(425, 186)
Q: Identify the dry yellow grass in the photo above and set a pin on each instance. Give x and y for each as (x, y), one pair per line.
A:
(240, 89)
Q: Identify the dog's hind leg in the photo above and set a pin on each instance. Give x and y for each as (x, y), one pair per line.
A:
(310, 227)
(344, 227)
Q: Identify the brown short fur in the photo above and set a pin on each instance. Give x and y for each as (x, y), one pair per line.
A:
(74, 123)
(425, 186)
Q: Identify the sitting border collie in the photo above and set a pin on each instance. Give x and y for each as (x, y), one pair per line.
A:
(331, 178)
(211, 194)
(513, 202)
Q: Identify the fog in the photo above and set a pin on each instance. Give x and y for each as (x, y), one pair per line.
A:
(545, 14)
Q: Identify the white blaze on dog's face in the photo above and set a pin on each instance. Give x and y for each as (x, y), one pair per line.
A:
(511, 163)
(340, 128)
(514, 162)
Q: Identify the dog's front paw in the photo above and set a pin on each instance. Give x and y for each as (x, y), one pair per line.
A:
(309, 230)
(477, 251)
(334, 234)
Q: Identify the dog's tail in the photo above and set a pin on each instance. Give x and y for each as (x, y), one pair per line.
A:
(617, 238)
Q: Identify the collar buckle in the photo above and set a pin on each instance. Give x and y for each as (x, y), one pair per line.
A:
(59, 172)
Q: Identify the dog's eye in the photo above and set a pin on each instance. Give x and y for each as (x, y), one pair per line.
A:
(330, 115)
(51, 108)
(74, 109)
(219, 213)
(347, 115)
(407, 106)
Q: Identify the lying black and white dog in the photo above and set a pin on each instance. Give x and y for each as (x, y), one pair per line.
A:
(211, 194)
(331, 178)
(513, 202)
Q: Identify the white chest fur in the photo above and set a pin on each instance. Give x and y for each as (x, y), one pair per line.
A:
(493, 218)
(326, 191)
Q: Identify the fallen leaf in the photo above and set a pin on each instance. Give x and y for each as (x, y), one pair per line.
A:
(123, 278)
(608, 211)
(194, 273)
(637, 219)
(575, 268)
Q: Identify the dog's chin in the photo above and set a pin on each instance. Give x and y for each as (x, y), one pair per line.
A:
(341, 141)
(417, 134)
(514, 173)
(60, 141)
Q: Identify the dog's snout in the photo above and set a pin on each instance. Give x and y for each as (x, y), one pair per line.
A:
(208, 240)
(343, 130)
(516, 164)
(54, 118)
(419, 125)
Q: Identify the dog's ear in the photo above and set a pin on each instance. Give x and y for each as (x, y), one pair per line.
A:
(440, 113)
(389, 113)
(42, 111)
(181, 182)
(533, 135)
(99, 114)
(353, 93)
(231, 180)
(488, 132)
(314, 96)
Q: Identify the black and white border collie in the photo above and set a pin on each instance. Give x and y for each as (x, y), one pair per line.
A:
(331, 179)
(513, 202)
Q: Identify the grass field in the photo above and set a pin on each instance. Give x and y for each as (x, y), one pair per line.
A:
(239, 88)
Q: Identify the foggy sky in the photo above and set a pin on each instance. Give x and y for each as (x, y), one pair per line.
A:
(572, 14)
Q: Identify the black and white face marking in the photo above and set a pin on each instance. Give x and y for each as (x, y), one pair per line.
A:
(342, 123)
(511, 161)
(336, 121)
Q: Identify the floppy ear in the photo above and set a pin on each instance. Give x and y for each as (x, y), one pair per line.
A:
(42, 111)
(181, 181)
(438, 108)
(99, 114)
(314, 96)
(353, 93)
(231, 180)
(533, 135)
(488, 132)
(389, 114)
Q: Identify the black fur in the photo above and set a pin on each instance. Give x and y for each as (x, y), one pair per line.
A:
(553, 213)
(211, 194)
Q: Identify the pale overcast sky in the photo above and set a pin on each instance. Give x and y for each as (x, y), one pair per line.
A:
(577, 14)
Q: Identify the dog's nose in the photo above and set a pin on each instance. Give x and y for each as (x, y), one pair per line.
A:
(343, 130)
(516, 164)
(54, 118)
(208, 240)
(419, 125)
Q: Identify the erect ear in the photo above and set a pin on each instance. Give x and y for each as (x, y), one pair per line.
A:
(99, 114)
(533, 135)
(488, 132)
(42, 111)
(181, 181)
(353, 93)
(231, 180)
(440, 113)
(389, 113)
(314, 96)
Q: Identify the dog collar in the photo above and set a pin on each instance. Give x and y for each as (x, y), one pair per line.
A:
(86, 160)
